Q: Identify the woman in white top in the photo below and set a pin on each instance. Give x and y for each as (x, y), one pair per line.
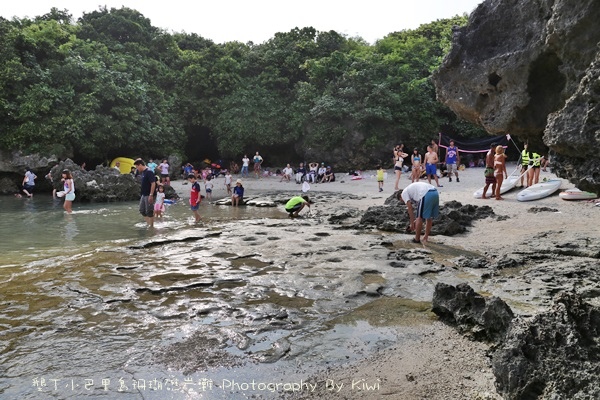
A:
(69, 190)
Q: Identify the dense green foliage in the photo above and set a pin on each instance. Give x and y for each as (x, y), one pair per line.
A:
(111, 84)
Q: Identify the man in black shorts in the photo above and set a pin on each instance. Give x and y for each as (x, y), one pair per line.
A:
(147, 191)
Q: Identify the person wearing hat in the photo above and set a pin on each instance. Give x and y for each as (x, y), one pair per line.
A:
(238, 193)
(296, 204)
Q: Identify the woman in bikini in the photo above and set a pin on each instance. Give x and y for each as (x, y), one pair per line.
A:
(399, 157)
(415, 159)
(499, 169)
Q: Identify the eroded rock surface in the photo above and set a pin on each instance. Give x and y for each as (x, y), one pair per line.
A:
(483, 318)
(531, 68)
(454, 217)
(554, 355)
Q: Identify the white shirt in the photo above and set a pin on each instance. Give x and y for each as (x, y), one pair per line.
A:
(416, 191)
(245, 161)
(288, 171)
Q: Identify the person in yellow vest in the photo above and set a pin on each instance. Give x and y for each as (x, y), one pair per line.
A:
(533, 174)
(525, 156)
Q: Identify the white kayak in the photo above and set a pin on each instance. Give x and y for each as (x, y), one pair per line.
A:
(576, 194)
(507, 185)
(539, 190)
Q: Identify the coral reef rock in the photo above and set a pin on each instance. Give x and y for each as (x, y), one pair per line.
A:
(553, 355)
(531, 69)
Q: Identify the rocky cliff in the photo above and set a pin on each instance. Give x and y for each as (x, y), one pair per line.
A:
(531, 68)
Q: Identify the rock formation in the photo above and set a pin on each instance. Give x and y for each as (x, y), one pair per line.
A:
(554, 355)
(483, 318)
(393, 216)
(531, 69)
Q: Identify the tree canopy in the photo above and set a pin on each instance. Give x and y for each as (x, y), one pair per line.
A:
(111, 84)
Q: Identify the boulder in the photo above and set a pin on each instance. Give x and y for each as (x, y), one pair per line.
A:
(454, 218)
(102, 184)
(483, 318)
(531, 68)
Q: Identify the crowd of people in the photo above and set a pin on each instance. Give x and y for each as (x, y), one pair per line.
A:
(422, 198)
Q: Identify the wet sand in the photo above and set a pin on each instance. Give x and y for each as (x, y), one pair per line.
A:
(433, 361)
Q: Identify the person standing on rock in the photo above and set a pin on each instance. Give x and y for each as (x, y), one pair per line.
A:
(452, 161)
(425, 198)
(490, 179)
(147, 191)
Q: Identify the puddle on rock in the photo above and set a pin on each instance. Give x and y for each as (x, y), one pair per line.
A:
(373, 277)
(389, 311)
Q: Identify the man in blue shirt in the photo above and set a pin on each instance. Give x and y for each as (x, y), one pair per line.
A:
(452, 160)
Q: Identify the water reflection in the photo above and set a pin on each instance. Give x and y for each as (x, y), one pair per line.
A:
(70, 230)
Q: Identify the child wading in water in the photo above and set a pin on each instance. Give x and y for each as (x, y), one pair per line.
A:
(159, 205)
(195, 197)
(380, 178)
(209, 188)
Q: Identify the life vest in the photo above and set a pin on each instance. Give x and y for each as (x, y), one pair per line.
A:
(536, 159)
(524, 157)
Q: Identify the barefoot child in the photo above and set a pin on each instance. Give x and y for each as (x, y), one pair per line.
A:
(209, 188)
(380, 178)
(159, 205)
(228, 182)
(195, 197)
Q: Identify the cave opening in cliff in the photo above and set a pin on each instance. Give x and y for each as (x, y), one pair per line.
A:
(545, 86)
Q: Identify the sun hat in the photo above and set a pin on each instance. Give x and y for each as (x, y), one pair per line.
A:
(238, 181)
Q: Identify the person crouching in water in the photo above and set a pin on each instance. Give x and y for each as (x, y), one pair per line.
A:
(296, 204)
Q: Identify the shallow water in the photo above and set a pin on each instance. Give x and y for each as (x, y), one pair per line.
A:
(95, 304)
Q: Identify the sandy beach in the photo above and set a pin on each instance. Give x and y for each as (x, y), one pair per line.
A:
(433, 361)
